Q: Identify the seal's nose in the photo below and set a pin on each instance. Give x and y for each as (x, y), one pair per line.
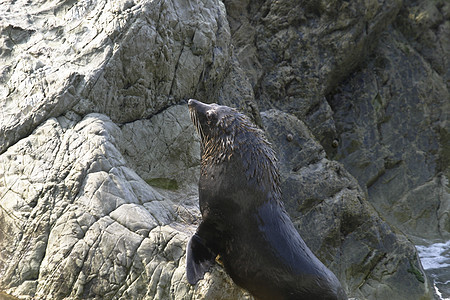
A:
(199, 107)
(192, 102)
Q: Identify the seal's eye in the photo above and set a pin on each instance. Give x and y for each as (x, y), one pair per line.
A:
(211, 116)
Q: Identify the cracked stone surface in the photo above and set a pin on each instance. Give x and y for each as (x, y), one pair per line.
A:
(366, 253)
(175, 148)
(99, 160)
(80, 223)
(395, 145)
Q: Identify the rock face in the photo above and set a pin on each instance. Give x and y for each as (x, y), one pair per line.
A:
(369, 78)
(393, 122)
(99, 160)
(334, 218)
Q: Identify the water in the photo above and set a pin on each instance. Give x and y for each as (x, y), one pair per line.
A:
(435, 260)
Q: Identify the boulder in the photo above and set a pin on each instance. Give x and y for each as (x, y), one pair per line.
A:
(77, 222)
(126, 59)
(372, 259)
(87, 209)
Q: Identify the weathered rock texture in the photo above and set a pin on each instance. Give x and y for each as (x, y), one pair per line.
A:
(99, 161)
(392, 119)
(370, 78)
(336, 221)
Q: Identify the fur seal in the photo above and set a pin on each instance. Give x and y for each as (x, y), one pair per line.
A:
(243, 218)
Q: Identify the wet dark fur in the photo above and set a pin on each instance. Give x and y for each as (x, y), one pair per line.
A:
(243, 219)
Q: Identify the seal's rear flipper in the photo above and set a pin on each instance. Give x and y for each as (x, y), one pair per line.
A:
(198, 259)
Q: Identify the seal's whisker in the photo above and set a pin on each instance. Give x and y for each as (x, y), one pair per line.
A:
(198, 128)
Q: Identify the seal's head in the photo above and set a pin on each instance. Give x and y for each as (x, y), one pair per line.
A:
(227, 133)
(224, 131)
(209, 119)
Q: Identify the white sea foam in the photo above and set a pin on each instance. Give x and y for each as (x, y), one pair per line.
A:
(435, 256)
(435, 260)
(438, 293)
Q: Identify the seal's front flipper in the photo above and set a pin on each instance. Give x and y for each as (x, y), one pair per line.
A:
(198, 259)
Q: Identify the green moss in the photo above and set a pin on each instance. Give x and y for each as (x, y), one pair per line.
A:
(354, 145)
(163, 183)
(5, 296)
(402, 214)
(416, 272)
(377, 103)
(405, 49)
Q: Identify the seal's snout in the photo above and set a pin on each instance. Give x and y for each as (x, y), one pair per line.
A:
(192, 102)
(197, 105)
(200, 108)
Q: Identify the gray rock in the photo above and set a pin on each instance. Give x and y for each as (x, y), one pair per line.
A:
(295, 53)
(93, 228)
(426, 26)
(124, 59)
(163, 147)
(392, 125)
(77, 221)
(370, 80)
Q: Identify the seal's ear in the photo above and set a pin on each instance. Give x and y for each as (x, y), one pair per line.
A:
(199, 258)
